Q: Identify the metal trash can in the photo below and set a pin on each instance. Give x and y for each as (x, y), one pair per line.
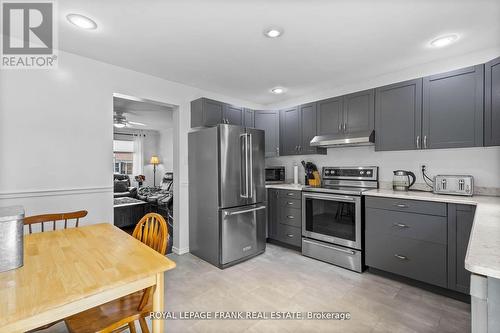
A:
(11, 237)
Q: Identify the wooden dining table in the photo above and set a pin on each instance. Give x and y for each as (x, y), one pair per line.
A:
(68, 271)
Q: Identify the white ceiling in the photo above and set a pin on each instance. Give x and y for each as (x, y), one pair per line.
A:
(154, 116)
(218, 45)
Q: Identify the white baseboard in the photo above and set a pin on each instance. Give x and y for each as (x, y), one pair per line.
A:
(180, 251)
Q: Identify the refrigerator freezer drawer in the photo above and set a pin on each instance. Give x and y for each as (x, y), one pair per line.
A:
(242, 232)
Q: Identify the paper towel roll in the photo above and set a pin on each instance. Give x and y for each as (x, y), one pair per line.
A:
(295, 174)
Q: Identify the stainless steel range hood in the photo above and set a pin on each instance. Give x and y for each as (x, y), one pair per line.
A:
(363, 138)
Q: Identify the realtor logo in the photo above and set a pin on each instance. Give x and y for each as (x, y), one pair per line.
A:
(28, 35)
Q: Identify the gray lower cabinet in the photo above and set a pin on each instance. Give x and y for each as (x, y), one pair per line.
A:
(359, 111)
(285, 216)
(272, 213)
(206, 112)
(233, 115)
(269, 122)
(492, 103)
(460, 219)
(290, 138)
(421, 240)
(398, 116)
(453, 109)
(248, 119)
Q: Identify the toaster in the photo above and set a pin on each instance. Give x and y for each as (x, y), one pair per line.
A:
(454, 184)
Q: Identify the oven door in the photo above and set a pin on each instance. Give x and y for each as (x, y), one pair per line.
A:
(332, 218)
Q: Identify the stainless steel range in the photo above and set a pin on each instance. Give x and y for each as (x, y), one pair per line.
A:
(332, 216)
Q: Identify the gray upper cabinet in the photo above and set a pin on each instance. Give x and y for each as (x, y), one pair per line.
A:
(269, 122)
(398, 116)
(329, 116)
(290, 138)
(206, 112)
(248, 120)
(233, 115)
(308, 128)
(492, 103)
(359, 111)
(453, 109)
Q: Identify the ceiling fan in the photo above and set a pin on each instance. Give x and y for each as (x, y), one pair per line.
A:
(120, 121)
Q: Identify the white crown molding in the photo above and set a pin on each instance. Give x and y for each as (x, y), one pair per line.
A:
(55, 192)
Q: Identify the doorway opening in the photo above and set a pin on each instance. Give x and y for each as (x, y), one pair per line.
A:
(143, 161)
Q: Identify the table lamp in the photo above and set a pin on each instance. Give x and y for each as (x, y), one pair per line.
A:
(155, 160)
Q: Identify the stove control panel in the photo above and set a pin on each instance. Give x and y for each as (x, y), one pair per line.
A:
(355, 173)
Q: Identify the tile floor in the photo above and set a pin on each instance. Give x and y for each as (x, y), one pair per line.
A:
(284, 280)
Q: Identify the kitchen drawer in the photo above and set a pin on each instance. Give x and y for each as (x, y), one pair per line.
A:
(405, 205)
(290, 235)
(429, 228)
(291, 216)
(293, 194)
(419, 260)
(290, 203)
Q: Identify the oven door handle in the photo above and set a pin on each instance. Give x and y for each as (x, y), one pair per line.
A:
(351, 252)
(331, 197)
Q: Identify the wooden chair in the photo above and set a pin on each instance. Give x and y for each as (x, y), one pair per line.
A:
(54, 218)
(120, 314)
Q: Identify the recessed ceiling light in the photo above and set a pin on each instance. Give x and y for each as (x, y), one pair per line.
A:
(278, 90)
(444, 40)
(273, 32)
(82, 21)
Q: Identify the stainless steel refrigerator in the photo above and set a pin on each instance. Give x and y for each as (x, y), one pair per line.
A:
(227, 211)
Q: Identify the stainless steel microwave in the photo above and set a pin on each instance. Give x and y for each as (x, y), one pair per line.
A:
(275, 174)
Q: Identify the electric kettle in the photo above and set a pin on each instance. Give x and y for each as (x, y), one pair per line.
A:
(401, 180)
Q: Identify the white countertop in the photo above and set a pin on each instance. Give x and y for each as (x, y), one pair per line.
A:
(483, 252)
(285, 186)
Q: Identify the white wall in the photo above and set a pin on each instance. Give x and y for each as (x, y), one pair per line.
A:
(56, 136)
(166, 151)
(482, 163)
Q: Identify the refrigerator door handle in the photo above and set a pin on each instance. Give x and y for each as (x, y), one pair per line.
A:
(244, 164)
(250, 179)
(228, 213)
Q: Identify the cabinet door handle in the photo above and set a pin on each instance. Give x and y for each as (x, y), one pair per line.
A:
(400, 225)
(291, 217)
(418, 141)
(401, 205)
(425, 141)
(289, 203)
(289, 194)
(277, 150)
(340, 127)
(401, 257)
(290, 235)
(345, 126)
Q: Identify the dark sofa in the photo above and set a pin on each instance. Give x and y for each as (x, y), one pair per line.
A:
(122, 186)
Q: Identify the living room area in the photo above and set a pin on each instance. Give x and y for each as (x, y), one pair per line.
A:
(142, 161)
